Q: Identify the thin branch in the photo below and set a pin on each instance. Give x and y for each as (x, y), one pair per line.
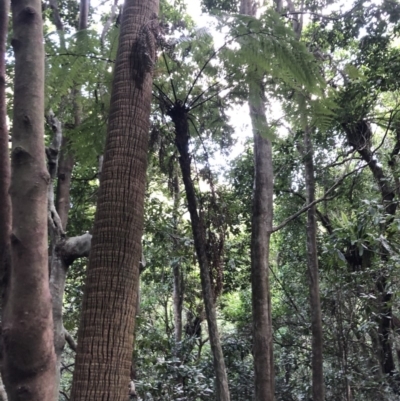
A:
(324, 198)
(163, 93)
(202, 93)
(81, 55)
(309, 13)
(64, 395)
(287, 294)
(170, 76)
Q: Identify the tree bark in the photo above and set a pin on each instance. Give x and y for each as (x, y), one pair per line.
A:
(180, 118)
(29, 360)
(318, 388)
(64, 176)
(5, 173)
(260, 240)
(83, 14)
(260, 243)
(105, 339)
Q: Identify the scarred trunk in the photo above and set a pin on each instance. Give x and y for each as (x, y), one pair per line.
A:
(180, 118)
(260, 243)
(105, 340)
(318, 389)
(29, 361)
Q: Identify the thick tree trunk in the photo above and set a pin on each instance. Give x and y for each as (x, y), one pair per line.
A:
(318, 388)
(260, 240)
(29, 360)
(105, 340)
(180, 119)
(260, 243)
(5, 202)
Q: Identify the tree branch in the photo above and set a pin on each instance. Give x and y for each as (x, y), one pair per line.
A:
(70, 340)
(319, 200)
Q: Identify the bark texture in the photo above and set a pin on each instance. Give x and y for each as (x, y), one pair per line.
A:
(318, 388)
(5, 173)
(105, 339)
(29, 360)
(179, 115)
(260, 240)
(260, 244)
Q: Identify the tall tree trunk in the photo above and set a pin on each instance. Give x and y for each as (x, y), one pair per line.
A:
(180, 118)
(62, 251)
(260, 239)
(318, 388)
(5, 202)
(105, 339)
(260, 247)
(29, 360)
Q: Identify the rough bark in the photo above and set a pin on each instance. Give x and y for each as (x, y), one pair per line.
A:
(5, 173)
(29, 360)
(260, 240)
(318, 389)
(180, 118)
(105, 339)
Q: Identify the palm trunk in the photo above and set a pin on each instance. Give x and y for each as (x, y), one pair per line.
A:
(29, 361)
(260, 243)
(180, 118)
(318, 389)
(105, 339)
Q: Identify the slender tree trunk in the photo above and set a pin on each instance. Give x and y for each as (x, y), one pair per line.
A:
(64, 177)
(61, 168)
(83, 14)
(105, 340)
(29, 360)
(177, 273)
(260, 248)
(260, 240)
(5, 173)
(318, 388)
(180, 119)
